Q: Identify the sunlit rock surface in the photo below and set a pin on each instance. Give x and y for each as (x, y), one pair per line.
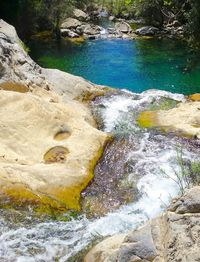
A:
(183, 119)
(49, 143)
(174, 236)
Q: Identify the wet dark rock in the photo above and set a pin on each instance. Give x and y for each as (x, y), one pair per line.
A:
(110, 187)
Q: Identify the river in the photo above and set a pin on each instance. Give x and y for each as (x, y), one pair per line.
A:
(150, 159)
(136, 65)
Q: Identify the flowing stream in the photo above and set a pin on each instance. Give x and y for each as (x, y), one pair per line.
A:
(151, 162)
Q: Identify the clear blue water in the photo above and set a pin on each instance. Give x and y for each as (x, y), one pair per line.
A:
(136, 65)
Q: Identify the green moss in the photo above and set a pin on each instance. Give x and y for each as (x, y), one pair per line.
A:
(24, 46)
(163, 103)
(76, 40)
(54, 202)
(148, 119)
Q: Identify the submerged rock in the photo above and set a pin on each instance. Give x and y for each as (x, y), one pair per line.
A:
(174, 236)
(111, 186)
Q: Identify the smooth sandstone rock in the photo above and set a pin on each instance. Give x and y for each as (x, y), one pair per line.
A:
(184, 119)
(48, 137)
(104, 250)
(29, 135)
(171, 237)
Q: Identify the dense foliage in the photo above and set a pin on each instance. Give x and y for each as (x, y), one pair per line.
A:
(36, 15)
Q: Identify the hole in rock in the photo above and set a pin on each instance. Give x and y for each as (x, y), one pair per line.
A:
(56, 154)
(62, 135)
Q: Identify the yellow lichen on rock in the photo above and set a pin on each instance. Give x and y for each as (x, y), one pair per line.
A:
(148, 119)
(56, 154)
(183, 119)
(195, 97)
(49, 143)
(76, 40)
(12, 86)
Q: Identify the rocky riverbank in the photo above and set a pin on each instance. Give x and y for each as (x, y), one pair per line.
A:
(50, 145)
(49, 140)
(173, 236)
(81, 25)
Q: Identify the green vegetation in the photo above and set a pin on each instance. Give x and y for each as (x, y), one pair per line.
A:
(31, 16)
(188, 174)
(24, 46)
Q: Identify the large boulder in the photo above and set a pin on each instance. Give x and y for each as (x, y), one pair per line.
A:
(183, 119)
(70, 23)
(49, 143)
(123, 27)
(15, 64)
(90, 29)
(147, 31)
(174, 236)
(80, 15)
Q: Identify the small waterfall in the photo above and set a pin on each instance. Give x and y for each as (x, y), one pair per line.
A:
(104, 33)
(51, 240)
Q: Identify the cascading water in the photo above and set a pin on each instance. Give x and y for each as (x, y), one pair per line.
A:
(104, 33)
(150, 155)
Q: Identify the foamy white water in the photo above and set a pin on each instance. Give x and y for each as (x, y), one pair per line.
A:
(152, 156)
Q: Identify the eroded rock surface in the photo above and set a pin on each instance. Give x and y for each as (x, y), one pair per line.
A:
(49, 143)
(174, 236)
(183, 119)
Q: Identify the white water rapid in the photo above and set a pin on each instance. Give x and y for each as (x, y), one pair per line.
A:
(154, 154)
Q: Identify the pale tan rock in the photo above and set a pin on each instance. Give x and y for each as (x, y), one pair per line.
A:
(48, 141)
(16, 66)
(28, 126)
(71, 23)
(184, 118)
(80, 15)
(104, 250)
(69, 86)
(172, 237)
